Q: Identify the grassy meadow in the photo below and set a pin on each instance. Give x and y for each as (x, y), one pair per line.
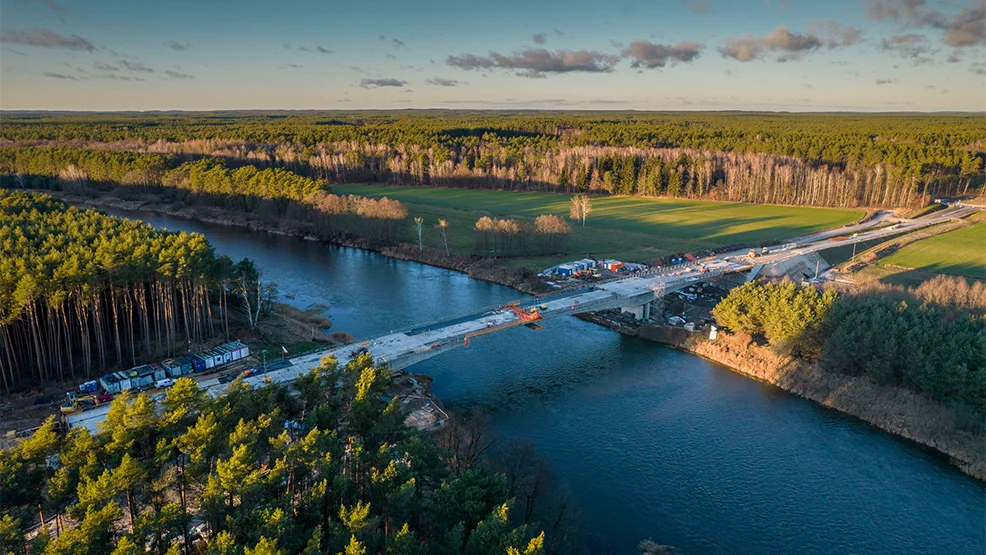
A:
(626, 228)
(961, 252)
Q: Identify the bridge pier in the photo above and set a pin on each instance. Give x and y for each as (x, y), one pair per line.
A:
(640, 312)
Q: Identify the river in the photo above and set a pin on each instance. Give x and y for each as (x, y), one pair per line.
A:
(650, 442)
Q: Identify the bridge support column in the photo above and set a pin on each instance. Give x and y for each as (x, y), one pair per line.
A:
(640, 312)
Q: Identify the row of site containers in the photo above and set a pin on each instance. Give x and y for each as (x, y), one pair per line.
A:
(570, 268)
(148, 374)
(218, 356)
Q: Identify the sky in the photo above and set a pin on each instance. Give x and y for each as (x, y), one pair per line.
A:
(786, 55)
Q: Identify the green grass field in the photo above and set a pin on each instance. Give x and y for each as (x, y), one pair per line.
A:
(625, 228)
(961, 252)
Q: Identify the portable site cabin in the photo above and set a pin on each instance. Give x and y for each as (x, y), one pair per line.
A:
(690, 257)
(226, 353)
(89, 387)
(199, 363)
(565, 270)
(141, 376)
(172, 368)
(613, 265)
(126, 380)
(186, 362)
(110, 383)
(159, 371)
(244, 350)
(588, 262)
(238, 350)
(217, 357)
(208, 359)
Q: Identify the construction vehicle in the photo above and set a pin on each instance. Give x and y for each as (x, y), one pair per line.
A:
(753, 254)
(77, 402)
(764, 250)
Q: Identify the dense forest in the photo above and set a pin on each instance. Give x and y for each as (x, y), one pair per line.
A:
(83, 292)
(261, 471)
(931, 339)
(806, 159)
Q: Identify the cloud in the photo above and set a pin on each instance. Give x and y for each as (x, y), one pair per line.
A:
(539, 38)
(910, 45)
(979, 68)
(966, 28)
(386, 82)
(178, 75)
(177, 45)
(537, 62)
(115, 77)
(135, 66)
(397, 43)
(649, 55)
(837, 35)
(60, 76)
(105, 67)
(44, 38)
(699, 6)
(317, 48)
(886, 81)
(910, 13)
(291, 66)
(789, 45)
(442, 82)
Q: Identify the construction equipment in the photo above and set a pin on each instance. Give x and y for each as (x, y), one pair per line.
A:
(753, 254)
(524, 317)
(76, 402)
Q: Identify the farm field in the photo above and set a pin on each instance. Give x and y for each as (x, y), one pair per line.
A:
(961, 252)
(625, 228)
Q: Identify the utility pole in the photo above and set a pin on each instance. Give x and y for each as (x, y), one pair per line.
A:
(816, 269)
(853, 259)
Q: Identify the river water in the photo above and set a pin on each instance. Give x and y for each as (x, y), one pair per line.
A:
(650, 442)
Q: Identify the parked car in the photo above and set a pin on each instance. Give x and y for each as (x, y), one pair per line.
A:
(166, 382)
(359, 351)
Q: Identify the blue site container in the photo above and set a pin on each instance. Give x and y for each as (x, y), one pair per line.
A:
(198, 363)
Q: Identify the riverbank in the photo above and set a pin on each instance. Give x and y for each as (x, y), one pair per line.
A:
(890, 409)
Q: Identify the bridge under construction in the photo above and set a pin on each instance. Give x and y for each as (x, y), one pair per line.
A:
(633, 294)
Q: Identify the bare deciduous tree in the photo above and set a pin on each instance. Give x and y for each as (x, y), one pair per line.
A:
(443, 227)
(580, 208)
(418, 223)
